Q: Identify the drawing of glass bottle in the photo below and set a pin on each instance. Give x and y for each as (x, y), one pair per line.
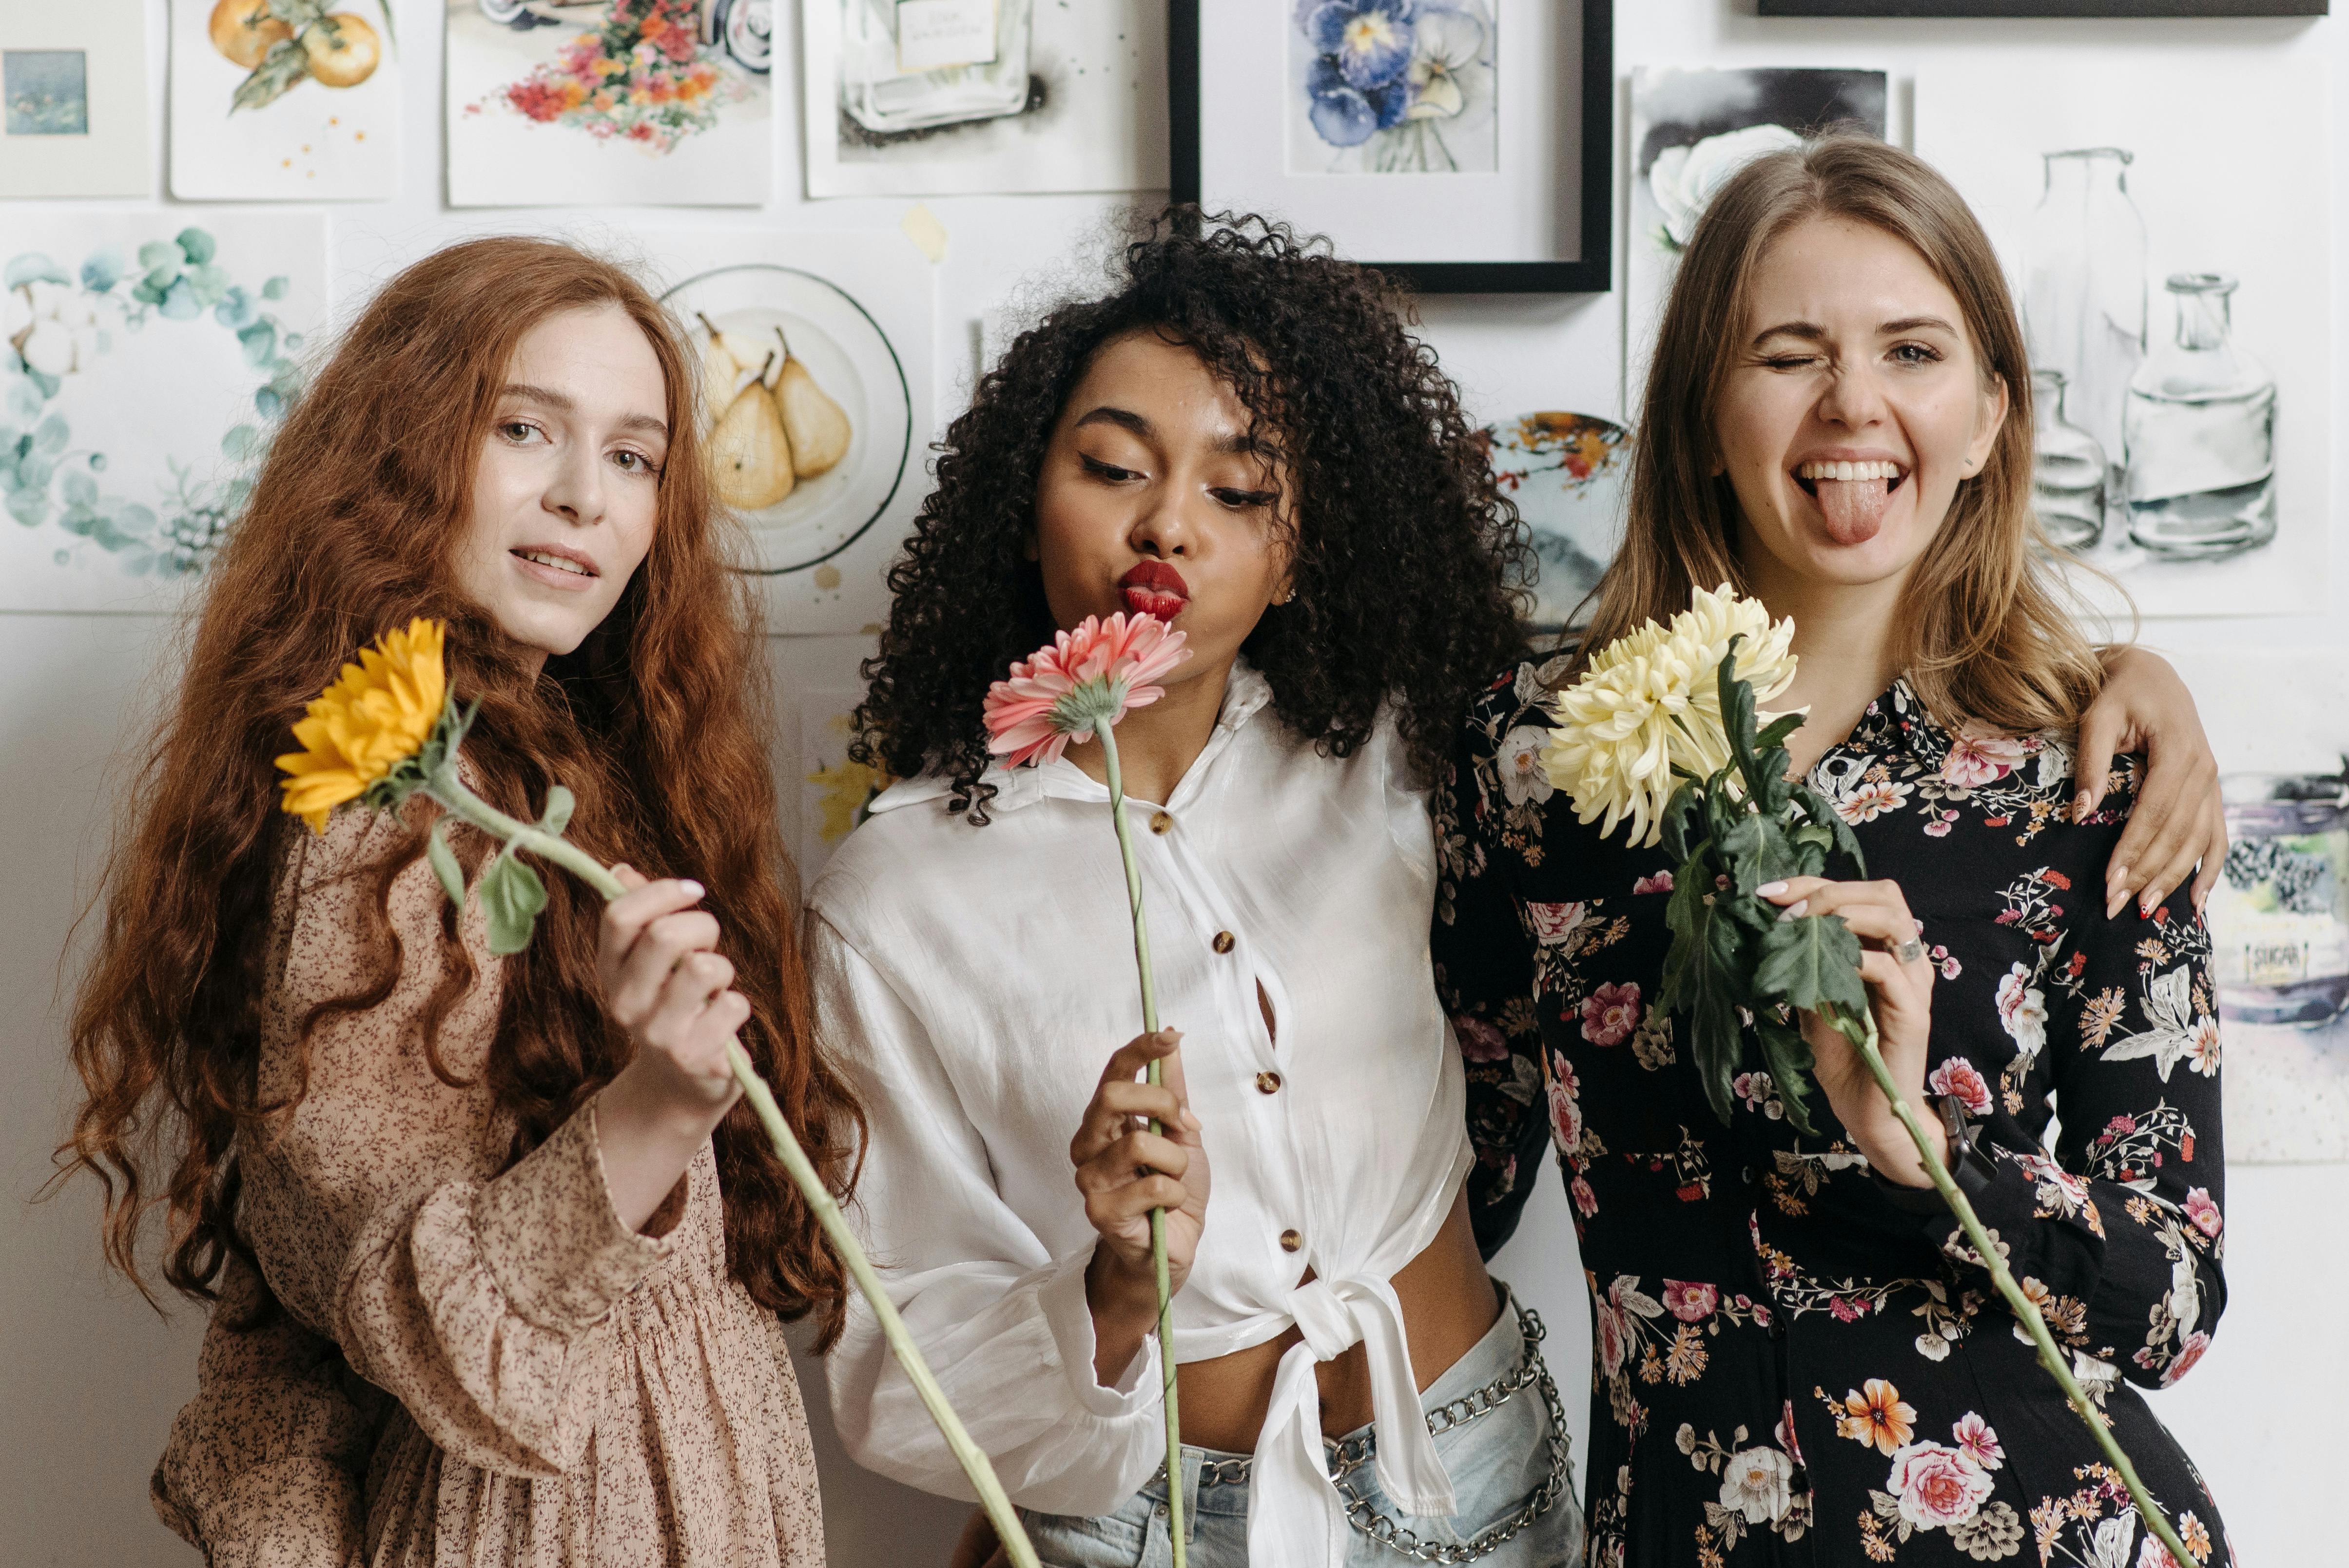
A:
(2067, 469)
(2201, 435)
(914, 66)
(2084, 287)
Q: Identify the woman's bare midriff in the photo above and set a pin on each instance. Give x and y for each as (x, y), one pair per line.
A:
(1448, 1304)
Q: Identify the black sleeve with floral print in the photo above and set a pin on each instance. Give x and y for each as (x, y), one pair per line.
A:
(1482, 952)
(1794, 1361)
(2121, 1230)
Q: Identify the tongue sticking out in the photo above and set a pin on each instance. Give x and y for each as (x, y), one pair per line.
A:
(1854, 508)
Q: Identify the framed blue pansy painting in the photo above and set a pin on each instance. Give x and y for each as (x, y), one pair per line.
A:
(1465, 145)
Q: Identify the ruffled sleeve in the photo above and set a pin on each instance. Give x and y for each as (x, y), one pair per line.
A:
(265, 1464)
(473, 1298)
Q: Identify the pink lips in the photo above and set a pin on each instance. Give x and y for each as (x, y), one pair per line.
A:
(1154, 589)
(556, 576)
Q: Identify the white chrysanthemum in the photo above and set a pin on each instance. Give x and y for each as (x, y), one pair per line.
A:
(1616, 742)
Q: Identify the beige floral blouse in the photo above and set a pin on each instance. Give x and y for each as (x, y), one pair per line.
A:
(473, 1367)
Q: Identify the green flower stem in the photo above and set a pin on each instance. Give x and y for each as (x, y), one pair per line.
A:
(1861, 1033)
(1158, 1216)
(444, 787)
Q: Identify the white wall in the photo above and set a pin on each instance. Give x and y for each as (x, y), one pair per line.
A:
(88, 1377)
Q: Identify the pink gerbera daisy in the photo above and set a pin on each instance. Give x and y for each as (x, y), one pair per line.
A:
(1094, 675)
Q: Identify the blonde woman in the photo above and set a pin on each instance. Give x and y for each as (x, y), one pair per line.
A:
(1793, 1343)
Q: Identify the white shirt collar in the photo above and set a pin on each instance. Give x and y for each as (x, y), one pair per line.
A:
(1245, 694)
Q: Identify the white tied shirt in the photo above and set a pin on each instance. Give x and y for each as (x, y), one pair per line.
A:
(974, 981)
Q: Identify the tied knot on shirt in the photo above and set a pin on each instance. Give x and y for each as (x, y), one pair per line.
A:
(1333, 1317)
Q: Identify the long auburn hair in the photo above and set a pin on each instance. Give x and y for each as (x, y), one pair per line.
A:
(1985, 629)
(656, 723)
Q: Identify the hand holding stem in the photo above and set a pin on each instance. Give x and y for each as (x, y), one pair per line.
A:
(1856, 1052)
(1125, 1171)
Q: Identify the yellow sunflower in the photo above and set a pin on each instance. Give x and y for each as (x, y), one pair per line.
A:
(378, 713)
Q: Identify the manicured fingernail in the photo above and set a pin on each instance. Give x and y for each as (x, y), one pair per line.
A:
(1794, 911)
(1919, 925)
(2145, 905)
(2079, 805)
(1770, 890)
(1171, 1035)
(692, 888)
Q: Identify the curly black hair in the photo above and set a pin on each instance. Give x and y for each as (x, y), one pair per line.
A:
(1407, 563)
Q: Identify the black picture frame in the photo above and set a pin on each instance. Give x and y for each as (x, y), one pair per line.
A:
(2011, 8)
(1591, 272)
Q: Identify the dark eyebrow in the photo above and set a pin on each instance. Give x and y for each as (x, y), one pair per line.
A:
(563, 405)
(1808, 331)
(1123, 418)
(1126, 419)
(1916, 324)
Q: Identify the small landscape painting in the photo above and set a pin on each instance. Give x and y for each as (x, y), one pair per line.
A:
(47, 91)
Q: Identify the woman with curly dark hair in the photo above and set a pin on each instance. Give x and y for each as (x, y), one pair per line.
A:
(1241, 438)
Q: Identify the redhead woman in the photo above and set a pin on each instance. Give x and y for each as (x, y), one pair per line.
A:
(1799, 1358)
(499, 1267)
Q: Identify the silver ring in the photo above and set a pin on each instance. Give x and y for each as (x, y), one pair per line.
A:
(1910, 952)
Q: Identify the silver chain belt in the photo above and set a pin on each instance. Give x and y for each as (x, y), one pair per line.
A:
(1349, 1457)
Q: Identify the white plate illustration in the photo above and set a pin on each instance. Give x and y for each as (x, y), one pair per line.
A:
(1567, 473)
(852, 360)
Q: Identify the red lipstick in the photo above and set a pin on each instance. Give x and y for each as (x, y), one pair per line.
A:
(1155, 589)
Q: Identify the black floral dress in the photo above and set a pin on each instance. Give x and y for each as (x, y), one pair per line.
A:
(1796, 1362)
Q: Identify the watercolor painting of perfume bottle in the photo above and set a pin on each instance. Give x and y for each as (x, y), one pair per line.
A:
(2154, 428)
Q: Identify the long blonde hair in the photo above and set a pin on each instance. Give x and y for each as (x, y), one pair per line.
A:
(1984, 631)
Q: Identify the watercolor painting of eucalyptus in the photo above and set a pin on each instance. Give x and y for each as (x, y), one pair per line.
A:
(1394, 86)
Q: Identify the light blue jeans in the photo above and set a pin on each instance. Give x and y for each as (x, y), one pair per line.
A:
(1497, 1462)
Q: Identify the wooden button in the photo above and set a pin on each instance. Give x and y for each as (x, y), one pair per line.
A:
(1291, 1241)
(1223, 941)
(1159, 821)
(1267, 1083)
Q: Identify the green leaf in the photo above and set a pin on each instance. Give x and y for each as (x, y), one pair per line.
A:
(1788, 1055)
(285, 65)
(196, 245)
(445, 866)
(160, 254)
(511, 896)
(1809, 962)
(259, 341)
(1704, 977)
(1757, 850)
(560, 804)
(1784, 725)
(1677, 812)
(275, 288)
(1827, 817)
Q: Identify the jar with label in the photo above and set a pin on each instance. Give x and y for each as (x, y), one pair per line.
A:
(917, 65)
(2280, 916)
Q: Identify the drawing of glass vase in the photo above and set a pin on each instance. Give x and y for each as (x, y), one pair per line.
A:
(2067, 469)
(2201, 435)
(881, 93)
(2084, 287)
